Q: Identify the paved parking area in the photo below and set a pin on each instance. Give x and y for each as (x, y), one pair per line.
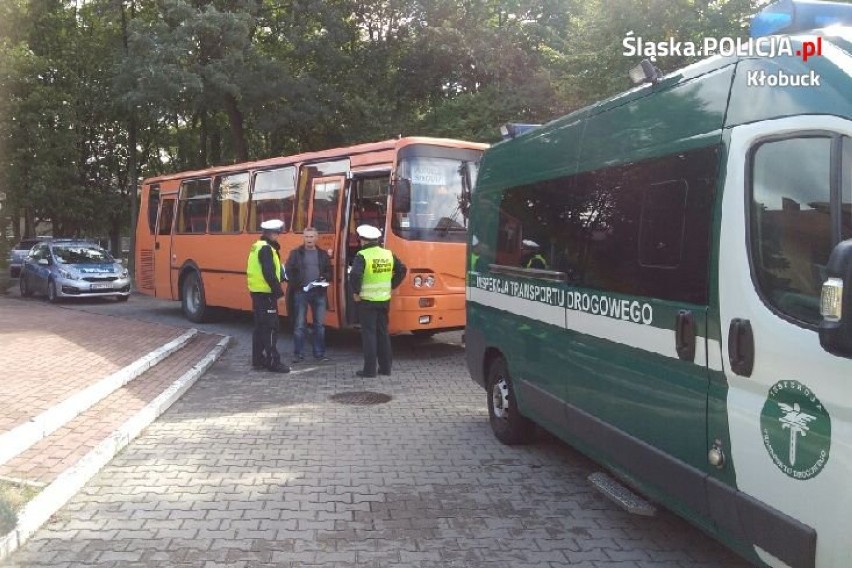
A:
(253, 469)
(48, 353)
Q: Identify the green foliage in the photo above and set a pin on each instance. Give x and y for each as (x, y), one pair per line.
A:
(88, 89)
(8, 518)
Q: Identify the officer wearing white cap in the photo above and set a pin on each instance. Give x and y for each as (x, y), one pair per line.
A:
(264, 276)
(375, 272)
(533, 257)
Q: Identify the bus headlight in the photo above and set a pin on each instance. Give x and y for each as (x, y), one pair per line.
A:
(831, 300)
(429, 281)
(418, 281)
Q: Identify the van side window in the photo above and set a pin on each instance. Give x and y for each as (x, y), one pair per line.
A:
(791, 233)
(661, 229)
(641, 229)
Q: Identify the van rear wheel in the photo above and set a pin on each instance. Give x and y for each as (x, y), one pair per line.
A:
(509, 426)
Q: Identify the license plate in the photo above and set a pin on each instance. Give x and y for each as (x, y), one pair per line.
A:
(101, 286)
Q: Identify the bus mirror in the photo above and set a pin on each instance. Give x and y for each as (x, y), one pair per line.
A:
(402, 196)
(835, 330)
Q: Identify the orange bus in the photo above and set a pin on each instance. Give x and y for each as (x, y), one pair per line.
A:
(195, 228)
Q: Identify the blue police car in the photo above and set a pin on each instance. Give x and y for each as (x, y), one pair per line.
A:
(73, 269)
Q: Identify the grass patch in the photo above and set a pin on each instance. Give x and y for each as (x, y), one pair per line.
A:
(13, 497)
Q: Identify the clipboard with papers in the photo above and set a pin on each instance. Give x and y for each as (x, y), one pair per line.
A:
(315, 284)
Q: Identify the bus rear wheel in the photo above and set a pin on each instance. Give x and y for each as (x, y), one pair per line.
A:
(193, 302)
(509, 426)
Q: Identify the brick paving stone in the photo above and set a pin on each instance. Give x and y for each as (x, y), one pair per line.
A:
(48, 353)
(45, 460)
(265, 470)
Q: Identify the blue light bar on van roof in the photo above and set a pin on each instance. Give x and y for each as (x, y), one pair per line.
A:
(793, 16)
(512, 129)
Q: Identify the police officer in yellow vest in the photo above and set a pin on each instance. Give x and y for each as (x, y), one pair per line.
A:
(375, 272)
(476, 262)
(533, 257)
(264, 275)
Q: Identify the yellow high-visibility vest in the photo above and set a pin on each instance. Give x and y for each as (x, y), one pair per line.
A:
(254, 272)
(539, 257)
(378, 274)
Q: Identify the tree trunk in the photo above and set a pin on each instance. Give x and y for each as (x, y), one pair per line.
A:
(237, 129)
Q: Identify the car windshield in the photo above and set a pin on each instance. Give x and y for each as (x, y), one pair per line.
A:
(81, 254)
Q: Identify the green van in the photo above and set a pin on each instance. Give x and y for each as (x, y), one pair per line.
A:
(679, 331)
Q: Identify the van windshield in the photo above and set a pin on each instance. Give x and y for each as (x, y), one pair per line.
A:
(440, 190)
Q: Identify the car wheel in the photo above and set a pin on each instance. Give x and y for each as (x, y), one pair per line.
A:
(193, 302)
(509, 426)
(24, 286)
(52, 295)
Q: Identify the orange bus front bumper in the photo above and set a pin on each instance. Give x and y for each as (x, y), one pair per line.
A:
(436, 312)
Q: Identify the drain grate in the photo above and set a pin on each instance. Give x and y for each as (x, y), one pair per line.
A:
(360, 397)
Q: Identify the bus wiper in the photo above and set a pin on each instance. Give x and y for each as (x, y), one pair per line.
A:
(450, 222)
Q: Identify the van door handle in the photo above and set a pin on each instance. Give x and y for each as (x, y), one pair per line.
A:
(157, 245)
(741, 347)
(685, 336)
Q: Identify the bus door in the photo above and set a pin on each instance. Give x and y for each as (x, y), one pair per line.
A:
(366, 204)
(326, 217)
(163, 248)
(788, 400)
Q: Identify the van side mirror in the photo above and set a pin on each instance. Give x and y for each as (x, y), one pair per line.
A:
(835, 330)
(402, 196)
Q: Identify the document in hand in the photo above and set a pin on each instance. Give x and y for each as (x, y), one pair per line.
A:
(315, 284)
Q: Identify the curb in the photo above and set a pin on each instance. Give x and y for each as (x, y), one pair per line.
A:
(69, 482)
(22, 437)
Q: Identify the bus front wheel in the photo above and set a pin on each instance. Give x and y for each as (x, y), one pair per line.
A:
(509, 426)
(193, 303)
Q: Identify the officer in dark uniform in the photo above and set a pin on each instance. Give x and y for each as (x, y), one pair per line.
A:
(264, 276)
(375, 272)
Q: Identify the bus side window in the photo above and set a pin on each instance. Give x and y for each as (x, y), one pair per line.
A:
(230, 203)
(153, 207)
(194, 206)
(272, 198)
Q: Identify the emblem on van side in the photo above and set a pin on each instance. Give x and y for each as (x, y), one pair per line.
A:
(796, 430)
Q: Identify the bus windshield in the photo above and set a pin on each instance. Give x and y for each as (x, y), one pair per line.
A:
(440, 196)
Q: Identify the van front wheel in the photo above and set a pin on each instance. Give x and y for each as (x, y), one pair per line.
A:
(509, 426)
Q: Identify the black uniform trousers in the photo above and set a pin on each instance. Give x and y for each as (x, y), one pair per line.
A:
(375, 340)
(264, 339)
